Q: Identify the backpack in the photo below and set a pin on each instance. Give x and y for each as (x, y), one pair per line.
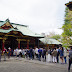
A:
(44, 52)
(40, 51)
(50, 53)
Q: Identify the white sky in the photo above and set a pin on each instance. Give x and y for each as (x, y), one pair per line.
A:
(42, 16)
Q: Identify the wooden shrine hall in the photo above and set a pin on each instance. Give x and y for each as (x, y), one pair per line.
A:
(17, 35)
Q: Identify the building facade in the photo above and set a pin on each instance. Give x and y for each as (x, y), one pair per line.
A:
(16, 35)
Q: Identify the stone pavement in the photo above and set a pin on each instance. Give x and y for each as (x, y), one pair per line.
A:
(24, 65)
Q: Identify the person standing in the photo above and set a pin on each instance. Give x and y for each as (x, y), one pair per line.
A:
(20, 55)
(9, 52)
(44, 54)
(57, 54)
(54, 53)
(0, 55)
(5, 53)
(40, 53)
(27, 53)
(49, 56)
(36, 52)
(65, 55)
(70, 59)
(51, 50)
(23, 53)
(61, 54)
(31, 53)
(16, 50)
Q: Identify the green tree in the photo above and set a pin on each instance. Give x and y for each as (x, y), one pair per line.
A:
(56, 37)
(67, 28)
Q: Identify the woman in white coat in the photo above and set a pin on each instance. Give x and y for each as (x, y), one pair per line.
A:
(49, 57)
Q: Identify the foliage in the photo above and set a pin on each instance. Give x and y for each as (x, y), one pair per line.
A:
(67, 28)
(56, 36)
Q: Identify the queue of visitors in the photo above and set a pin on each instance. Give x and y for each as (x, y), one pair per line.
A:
(50, 55)
(54, 55)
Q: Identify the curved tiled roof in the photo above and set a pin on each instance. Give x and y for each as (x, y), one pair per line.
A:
(24, 29)
(49, 41)
(6, 31)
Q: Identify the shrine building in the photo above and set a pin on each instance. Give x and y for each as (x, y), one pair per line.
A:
(16, 35)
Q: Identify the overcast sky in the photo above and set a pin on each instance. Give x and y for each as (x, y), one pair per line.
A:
(42, 16)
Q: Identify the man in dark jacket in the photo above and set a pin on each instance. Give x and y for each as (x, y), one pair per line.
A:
(0, 55)
(57, 55)
(40, 52)
(70, 59)
(31, 53)
(44, 54)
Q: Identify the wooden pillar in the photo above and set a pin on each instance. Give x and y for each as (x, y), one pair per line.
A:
(18, 43)
(27, 44)
(3, 43)
(47, 45)
(38, 43)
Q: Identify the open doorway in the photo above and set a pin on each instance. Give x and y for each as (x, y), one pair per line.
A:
(11, 42)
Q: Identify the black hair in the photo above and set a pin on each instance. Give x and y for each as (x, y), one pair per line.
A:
(62, 49)
(55, 48)
(71, 47)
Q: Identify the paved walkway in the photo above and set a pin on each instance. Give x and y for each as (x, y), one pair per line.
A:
(24, 65)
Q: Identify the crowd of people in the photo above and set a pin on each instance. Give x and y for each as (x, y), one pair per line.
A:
(31, 53)
(54, 54)
(51, 55)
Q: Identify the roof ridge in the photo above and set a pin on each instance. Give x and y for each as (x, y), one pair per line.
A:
(19, 24)
(7, 20)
